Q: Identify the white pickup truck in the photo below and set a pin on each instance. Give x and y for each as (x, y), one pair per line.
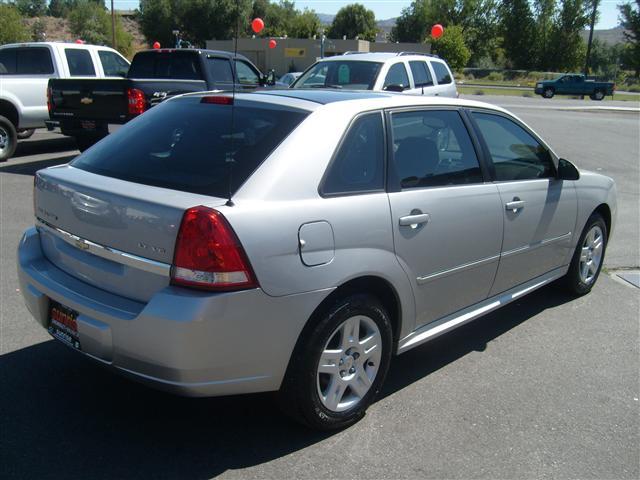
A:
(25, 70)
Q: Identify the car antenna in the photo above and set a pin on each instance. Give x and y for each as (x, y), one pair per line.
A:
(230, 158)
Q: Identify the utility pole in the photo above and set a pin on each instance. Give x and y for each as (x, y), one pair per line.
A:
(113, 27)
(593, 21)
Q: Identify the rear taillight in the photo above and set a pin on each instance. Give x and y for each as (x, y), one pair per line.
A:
(49, 99)
(137, 101)
(208, 253)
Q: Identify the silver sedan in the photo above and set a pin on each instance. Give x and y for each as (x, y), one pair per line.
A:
(295, 241)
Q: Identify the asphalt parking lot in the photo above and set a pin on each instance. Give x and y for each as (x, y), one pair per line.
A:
(545, 387)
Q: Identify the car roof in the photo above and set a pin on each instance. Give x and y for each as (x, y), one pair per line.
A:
(59, 44)
(363, 100)
(196, 51)
(379, 57)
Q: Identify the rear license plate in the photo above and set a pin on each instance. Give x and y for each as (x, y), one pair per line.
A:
(63, 324)
(88, 124)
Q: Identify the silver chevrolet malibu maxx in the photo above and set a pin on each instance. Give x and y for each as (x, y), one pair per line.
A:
(294, 241)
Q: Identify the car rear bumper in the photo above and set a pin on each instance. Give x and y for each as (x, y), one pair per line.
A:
(184, 341)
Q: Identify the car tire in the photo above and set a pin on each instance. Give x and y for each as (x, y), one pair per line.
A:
(332, 378)
(548, 93)
(588, 257)
(598, 95)
(25, 133)
(8, 139)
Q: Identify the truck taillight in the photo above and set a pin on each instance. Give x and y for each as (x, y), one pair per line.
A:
(137, 101)
(49, 99)
(208, 253)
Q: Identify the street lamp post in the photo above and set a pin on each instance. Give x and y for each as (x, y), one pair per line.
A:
(113, 27)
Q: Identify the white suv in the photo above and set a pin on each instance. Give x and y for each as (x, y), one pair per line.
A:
(25, 70)
(406, 72)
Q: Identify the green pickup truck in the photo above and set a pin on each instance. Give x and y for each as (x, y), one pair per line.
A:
(574, 84)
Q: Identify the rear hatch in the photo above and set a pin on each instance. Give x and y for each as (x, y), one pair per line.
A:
(111, 217)
(101, 99)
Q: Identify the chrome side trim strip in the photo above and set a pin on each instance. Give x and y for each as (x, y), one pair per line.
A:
(460, 268)
(539, 244)
(117, 256)
(448, 323)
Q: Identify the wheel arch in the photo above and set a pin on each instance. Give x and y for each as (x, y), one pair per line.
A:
(9, 111)
(604, 210)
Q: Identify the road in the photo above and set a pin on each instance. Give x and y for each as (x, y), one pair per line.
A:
(546, 387)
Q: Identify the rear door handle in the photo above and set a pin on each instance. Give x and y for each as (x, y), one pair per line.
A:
(414, 220)
(514, 205)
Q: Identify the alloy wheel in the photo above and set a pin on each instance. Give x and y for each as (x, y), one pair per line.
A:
(349, 363)
(591, 255)
(4, 139)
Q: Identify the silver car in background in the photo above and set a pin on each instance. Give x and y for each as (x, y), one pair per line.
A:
(403, 72)
(300, 246)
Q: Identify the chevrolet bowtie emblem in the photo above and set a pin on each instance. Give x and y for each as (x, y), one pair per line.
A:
(86, 101)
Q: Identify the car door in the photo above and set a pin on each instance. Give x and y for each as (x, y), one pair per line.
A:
(397, 79)
(248, 76)
(445, 87)
(539, 210)
(446, 221)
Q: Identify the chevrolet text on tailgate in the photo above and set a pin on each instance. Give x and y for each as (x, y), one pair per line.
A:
(294, 241)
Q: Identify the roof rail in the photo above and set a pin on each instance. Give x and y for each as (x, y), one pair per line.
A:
(353, 52)
(402, 54)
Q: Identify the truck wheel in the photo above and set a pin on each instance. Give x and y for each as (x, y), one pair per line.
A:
(8, 139)
(339, 364)
(25, 133)
(597, 95)
(548, 92)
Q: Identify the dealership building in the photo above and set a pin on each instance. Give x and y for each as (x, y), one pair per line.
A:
(296, 54)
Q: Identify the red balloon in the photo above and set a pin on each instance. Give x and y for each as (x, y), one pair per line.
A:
(257, 25)
(79, 42)
(156, 45)
(272, 43)
(437, 30)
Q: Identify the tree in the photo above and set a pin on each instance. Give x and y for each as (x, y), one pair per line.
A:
(353, 21)
(91, 22)
(31, 8)
(566, 50)
(518, 33)
(544, 16)
(12, 28)
(630, 21)
(451, 47)
(305, 25)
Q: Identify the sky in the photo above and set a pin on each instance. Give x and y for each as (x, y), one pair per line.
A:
(391, 8)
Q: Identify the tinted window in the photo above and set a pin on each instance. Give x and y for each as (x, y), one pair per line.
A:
(433, 148)
(246, 74)
(178, 65)
(33, 61)
(359, 164)
(79, 61)
(515, 153)
(442, 73)
(187, 145)
(353, 75)
(397, 76)
(220, 70)
(113, 64)
(421, 74)
(8, 61)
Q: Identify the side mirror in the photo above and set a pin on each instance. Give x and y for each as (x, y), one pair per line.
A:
(567, 170)
(395, 88)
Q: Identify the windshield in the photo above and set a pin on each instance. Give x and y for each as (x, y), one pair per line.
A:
(187, 145)
(347, 74)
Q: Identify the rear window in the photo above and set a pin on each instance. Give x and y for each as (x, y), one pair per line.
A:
(175, 65)
(188, 145)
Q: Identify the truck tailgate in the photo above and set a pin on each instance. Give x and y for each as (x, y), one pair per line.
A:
(95, 99)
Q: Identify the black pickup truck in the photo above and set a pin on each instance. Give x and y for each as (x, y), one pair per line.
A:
(89, 109)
